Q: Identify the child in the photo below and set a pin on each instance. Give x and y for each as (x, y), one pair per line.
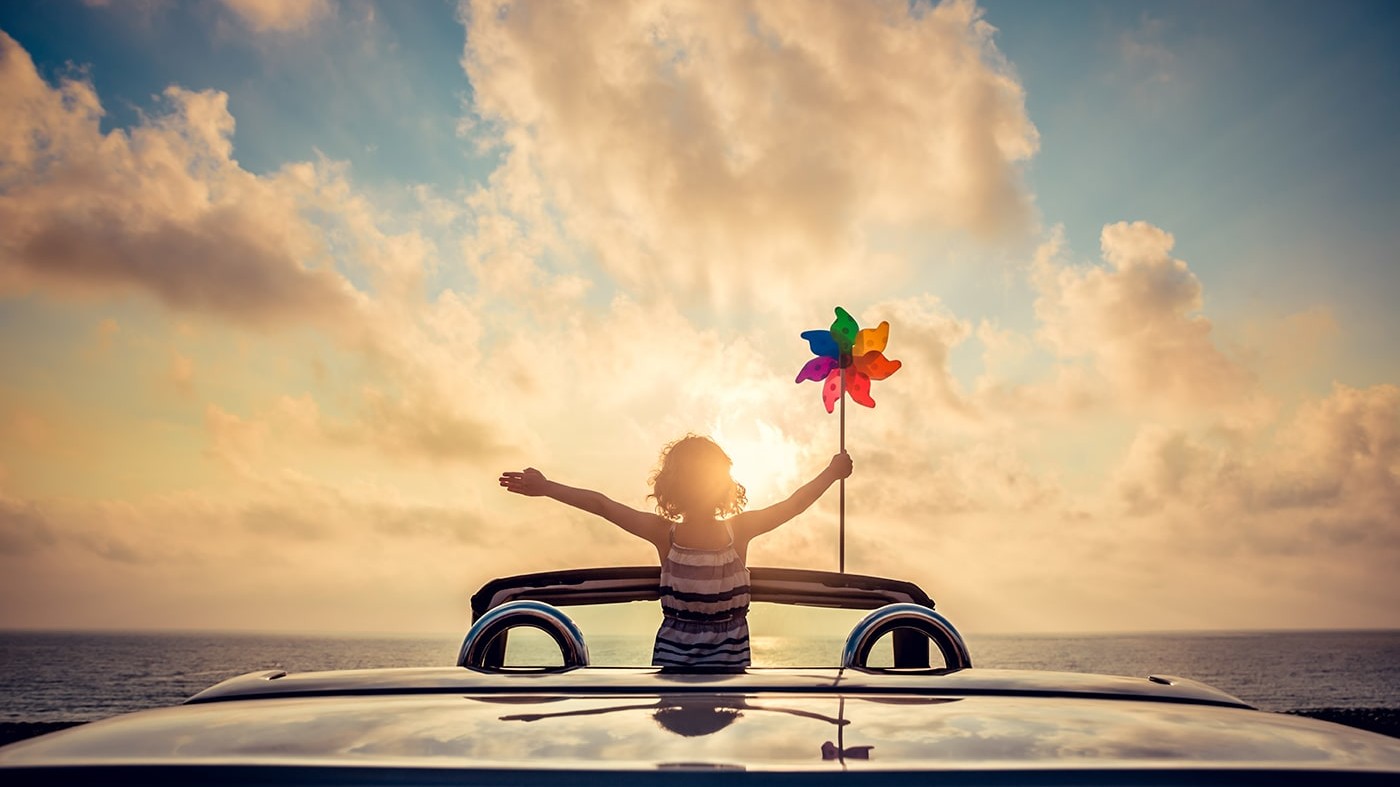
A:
(704, 577)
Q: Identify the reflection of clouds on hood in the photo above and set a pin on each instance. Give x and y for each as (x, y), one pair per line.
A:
(985, 730)
(974, 733)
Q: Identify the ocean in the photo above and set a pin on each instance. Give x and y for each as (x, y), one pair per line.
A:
(82, 676)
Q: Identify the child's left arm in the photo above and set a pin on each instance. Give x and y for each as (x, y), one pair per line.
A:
(757, 522)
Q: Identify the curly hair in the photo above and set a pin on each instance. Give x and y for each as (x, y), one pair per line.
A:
(692, 477)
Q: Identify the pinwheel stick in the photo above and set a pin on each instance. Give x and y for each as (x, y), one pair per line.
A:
(842, 538)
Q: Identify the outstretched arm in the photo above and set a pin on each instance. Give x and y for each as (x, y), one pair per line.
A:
(760, 521)
(532, 483)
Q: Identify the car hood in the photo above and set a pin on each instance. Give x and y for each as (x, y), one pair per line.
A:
(748, 731)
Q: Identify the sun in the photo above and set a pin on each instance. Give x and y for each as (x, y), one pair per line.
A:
(764, 458)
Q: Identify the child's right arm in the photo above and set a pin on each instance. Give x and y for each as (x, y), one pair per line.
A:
(532, 483)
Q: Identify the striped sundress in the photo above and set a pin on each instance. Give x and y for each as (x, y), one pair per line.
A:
(705, 604)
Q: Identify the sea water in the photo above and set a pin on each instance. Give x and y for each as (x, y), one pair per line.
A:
(79, 676)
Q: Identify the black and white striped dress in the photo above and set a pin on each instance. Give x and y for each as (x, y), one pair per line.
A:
(705, 603)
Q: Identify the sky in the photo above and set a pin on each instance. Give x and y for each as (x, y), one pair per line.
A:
(284, 286)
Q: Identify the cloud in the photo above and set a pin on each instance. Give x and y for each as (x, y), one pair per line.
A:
(423, 424)
(926, 335)
(1340, 451)
(105, 335)
(1144, 55)
(985, 477)
(180, 375)
(1288, 349)
(978, 494)
(727, 150)
(1164, 465)
(145, 8)
(29, 430)
(1335, 458)
(657, 160)
(238, 443)
(283, 521)
(163, 209)
(1003, 350)
(411, 423)
(1322, 485)
(1137, 321)
(23, 529)
(283, 551)
(334, 512)
(279, 16)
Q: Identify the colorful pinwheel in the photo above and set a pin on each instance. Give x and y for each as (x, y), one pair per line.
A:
(860, 352)
(848, 358)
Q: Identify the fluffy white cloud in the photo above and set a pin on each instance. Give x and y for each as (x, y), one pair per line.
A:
(1341, 452)
(163, 209)
(728, 150)
(1331, 467)
(1137, 321)
(1318, 495)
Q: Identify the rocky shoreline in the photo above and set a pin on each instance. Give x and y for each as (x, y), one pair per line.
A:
(11, 731)
(1383, 720)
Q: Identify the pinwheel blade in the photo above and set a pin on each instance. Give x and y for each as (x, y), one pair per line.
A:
(872, 339)
(858, 386)
(816, 369)
(822, 343)
(831, 390)
(844, 329)
(875, 365)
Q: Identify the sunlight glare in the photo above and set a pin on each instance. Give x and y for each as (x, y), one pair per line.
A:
(764, 458)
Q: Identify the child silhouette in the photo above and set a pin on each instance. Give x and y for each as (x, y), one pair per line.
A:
(701, 534)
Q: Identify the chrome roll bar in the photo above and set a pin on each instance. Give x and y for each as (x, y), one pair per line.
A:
(916, 617)
(477, 651)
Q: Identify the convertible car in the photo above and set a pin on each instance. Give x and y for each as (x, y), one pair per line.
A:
(900, 703)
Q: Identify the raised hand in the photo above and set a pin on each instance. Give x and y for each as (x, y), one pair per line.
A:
(840, 466)
(529, 482)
